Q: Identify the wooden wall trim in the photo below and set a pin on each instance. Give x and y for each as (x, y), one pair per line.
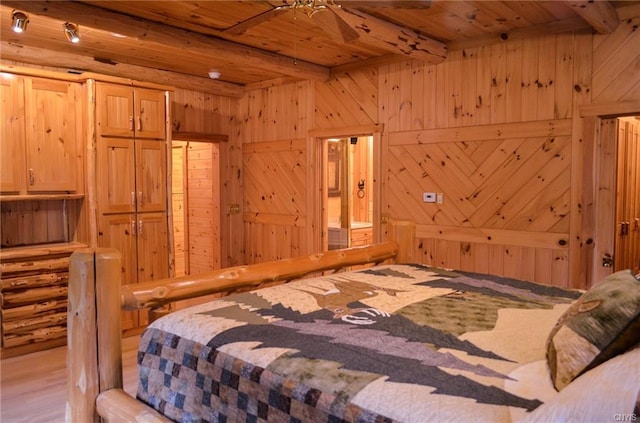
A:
(346, 131)
(553, 127)
(610, 109)
(275, 219)
(494, 236)
(272, 146)
(199, 137)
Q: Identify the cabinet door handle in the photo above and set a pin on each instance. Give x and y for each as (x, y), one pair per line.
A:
(133, 227)
(32, 177)
(139, 198)
(133, 199)
(131, 123)
(139, 227)
(139, 123)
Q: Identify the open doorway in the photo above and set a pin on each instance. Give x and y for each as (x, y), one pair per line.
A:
(349, 202)
(195, 197)
(627, 230)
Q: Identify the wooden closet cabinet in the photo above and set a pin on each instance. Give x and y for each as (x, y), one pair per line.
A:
(131, 182)
(40, 135)
(132, 175)
(124, 111)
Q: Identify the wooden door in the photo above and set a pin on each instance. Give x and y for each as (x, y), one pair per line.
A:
(51, 134)
(153, 251)
(119, 231)
(150, 113)
(151, 181)
(12, 138)
(116, 175)
(114, 110)
(627, 239)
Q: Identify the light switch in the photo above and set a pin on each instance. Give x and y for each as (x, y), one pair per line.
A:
(429, 197)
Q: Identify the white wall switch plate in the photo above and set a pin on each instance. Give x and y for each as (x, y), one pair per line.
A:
(429, 197)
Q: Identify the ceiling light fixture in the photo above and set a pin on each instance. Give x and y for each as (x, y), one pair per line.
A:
(19, 21)
(214, 74)
(72, 32)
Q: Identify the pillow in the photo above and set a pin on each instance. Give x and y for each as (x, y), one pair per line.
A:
(608, 393)
(602, 323)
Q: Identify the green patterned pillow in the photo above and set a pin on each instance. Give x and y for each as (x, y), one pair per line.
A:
(604, 322)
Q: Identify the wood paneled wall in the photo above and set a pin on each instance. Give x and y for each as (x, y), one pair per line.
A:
(491, 129)
(496, 129)
(277, 166)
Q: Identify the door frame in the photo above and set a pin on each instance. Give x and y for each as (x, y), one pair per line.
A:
(599, 190)
(317, 227)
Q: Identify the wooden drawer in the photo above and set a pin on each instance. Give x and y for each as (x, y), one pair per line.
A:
(361, 236)
(33, 297)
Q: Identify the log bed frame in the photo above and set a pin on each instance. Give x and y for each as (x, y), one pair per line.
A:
(96, 298)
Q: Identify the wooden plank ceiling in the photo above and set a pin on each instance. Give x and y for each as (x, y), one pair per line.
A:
(263, 43)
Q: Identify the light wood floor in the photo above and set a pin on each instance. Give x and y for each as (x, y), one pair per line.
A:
(33, 387)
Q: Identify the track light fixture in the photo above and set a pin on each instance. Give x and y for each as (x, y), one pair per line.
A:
(72, 32)
(19, 21)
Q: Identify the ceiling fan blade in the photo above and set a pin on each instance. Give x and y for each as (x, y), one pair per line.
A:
(334, 26)
(397, 4)
(242, 27)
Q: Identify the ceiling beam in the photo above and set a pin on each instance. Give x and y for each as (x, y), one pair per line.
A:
(145, 30)
(600, 14)
(557, 27)
(44, 57)
(391, 37)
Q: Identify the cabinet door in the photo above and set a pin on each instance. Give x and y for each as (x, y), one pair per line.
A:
(151, 180)
(150, 114)
(116, 175)
(153, 253)
(51, 134)
(114, 110)
(119, 231)
(12, 164)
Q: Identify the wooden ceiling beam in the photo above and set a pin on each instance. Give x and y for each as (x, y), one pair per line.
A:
(391, 37)
(44, 57)
(145, 30)
(600, 14)
(558, 27)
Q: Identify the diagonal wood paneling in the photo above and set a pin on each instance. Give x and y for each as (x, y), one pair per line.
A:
(347, 100)
(521, 184)
(274, 177)
(616, 64)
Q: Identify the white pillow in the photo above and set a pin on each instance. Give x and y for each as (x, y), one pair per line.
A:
(607, 393)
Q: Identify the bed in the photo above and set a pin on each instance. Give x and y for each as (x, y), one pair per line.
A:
(395, 341)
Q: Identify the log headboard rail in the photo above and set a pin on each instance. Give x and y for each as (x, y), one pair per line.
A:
(94, 335)
(156, 293)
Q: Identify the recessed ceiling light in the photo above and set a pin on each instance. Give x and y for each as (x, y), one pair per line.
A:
(214, 74)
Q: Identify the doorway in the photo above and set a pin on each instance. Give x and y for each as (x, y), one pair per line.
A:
(349, 200)
(627, 229)
(195, 197)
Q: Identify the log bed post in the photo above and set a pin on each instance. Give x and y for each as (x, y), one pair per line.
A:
(94, 343)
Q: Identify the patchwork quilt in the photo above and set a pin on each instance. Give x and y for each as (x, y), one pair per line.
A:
(405, 343)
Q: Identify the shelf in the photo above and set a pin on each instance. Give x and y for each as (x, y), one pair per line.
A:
(36, 197)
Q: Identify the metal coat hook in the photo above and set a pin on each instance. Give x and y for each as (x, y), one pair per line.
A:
(361, 188)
